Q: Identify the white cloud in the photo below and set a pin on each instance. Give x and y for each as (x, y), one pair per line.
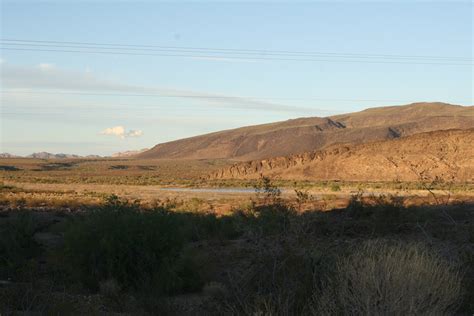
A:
(134, 133)
(116, 130)
(45, 66)
(120, 132)
(2, 60)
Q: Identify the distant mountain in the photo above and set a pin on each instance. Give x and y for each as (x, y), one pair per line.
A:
(129, 153)
(315, 133)
(46, 155)
(7, 155)
(445, 154)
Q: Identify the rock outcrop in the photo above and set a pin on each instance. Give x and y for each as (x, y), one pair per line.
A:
(445, 154)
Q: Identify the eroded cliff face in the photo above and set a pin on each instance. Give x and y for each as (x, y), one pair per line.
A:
(445, 154)
(257, 167)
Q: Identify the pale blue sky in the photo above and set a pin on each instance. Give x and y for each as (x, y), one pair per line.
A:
(50, 99)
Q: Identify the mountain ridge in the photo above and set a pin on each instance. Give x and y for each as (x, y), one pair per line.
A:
(312, 133)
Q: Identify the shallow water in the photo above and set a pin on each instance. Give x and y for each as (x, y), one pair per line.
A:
(211, 190)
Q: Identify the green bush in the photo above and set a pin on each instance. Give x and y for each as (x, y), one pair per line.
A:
(274, 219)
(335, 187)
(199, 226)
(381, 214)
(387, 214)
(266, 189)
(17, 245)
(267, 219)
(357, 208)
(141, 250)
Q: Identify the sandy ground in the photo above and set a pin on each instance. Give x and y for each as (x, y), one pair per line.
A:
(224, 196)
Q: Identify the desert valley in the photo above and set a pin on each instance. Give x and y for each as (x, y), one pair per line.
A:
(390, 171)
(236, 158)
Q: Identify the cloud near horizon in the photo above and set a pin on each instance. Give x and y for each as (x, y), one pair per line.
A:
(45, 66)
(121, 132)
(47, 76)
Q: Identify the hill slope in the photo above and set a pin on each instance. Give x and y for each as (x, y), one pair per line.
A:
(441, 153)
(307, 134)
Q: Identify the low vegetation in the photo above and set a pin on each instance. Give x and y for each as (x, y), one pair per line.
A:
(376, 256)
(17, 245)
(391, 278)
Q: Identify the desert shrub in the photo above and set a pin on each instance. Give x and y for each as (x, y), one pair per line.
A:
(17, 244)
(356, 207)
(380, 214)
(203, 226)
(335, 187)
(140, 250)
(8, 188)
(318, 224)
(387, 213)
(302, 197)
(268, 190)
(382, 278)
(109, 288)
(268, 219)
(278, 281)
(215, 289)
(113, 201)
(195, 205)
(24, 298)
(261, 220)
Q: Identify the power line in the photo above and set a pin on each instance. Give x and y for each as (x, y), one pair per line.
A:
(272, 56)
(254, 51)
(235, 57)
(239, 53)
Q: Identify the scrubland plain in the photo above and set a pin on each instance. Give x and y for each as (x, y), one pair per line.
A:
(130, 236)
(376, 219)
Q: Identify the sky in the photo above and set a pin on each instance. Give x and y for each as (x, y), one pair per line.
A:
(99, 77)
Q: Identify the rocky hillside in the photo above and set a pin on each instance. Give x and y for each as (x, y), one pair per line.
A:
(441, 153)
(308, 134)
(128, 153)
